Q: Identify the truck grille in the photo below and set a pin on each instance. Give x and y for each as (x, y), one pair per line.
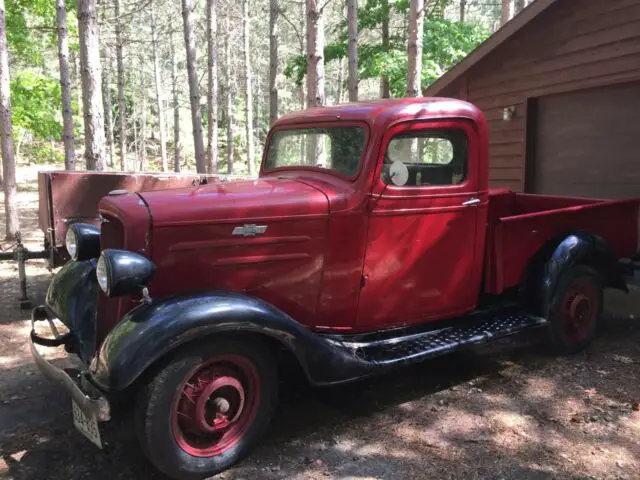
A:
(111, 233)
(109, 309)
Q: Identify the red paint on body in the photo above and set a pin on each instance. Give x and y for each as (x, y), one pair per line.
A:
(351, 254)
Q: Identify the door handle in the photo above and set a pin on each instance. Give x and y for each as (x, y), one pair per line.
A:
(472, 202)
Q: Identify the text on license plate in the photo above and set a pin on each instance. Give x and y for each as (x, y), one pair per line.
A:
(87, 426)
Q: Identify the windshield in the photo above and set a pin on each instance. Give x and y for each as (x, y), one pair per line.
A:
(334, 148)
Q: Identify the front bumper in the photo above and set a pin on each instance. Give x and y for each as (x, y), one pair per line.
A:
(90, 400)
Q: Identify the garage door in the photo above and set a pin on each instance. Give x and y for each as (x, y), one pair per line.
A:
(587, 143)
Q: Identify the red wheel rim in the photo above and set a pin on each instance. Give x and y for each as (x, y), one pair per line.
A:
(215, 405)
(580, 308)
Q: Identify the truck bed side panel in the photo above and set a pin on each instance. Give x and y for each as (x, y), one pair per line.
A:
(513, 240)
(68, 197)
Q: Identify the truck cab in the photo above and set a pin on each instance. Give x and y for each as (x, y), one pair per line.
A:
(369, 241)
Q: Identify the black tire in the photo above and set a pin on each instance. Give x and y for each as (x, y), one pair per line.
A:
(575, 310)
(168, 444)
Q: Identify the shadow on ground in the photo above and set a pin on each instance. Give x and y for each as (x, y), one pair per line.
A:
(505, 411)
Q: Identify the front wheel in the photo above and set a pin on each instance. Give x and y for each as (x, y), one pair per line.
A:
(575, 309)
(207, 408)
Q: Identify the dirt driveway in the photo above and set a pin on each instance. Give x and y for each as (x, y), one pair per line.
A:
(510, 411)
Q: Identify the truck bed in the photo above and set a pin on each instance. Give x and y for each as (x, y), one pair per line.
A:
(66, 197)
(520, 224)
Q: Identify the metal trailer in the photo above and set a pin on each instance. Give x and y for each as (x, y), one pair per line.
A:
(70, 197)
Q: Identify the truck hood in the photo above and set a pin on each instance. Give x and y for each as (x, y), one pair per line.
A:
(239, 201)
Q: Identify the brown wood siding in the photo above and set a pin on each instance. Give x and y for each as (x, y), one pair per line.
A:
(573, 45)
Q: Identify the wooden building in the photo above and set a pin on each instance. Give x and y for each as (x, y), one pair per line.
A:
(560, 85)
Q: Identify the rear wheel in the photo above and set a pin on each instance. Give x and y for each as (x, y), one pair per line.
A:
(576, 309)
(206, 409)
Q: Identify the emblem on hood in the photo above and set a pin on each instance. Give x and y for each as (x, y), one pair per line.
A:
(250, 230)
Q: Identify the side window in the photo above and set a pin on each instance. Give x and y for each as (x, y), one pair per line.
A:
(426, 158)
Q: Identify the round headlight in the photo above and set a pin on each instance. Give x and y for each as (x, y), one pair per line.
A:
(121, 272)
(102, 275)
(71, 242)
(83, 241)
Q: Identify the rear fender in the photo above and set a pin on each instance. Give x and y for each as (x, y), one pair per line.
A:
(562, 254)
(149, 332)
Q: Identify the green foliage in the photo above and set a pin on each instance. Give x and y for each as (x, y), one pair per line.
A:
(36, 102)
(445, 44)
(31, 28)
(42, 153)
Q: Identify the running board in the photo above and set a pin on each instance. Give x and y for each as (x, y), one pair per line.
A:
(415, 347)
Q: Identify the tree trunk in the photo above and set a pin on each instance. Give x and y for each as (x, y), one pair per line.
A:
(136, 140)
(65, 86)
(248, 93)
(94, 139)
(505, 13)
(301, 93)
(315, 75)
(212, 91)
(340, 80)
(385, 89)
(414, 68)
(158, 85)
(106, 89)
(122, 114)
(315, 54)
(176, 104)
(519, 6)
(352, 49)
(274, 11)
(143, 118)
(463, 10)
(228, 94)
(6, 131)
(194, 92)
(76, 81)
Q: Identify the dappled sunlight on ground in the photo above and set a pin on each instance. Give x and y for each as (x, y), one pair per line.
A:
(508, 411)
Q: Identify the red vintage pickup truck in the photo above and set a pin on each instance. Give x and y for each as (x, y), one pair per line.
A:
(369, 241)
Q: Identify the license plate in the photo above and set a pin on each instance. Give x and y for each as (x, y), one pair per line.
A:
(87, 426)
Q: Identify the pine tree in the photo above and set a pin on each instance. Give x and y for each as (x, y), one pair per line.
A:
(315, 54)
(212, 90)
(248, 93)
(414, 50)
(505, 12)
(352, 21)
(157, 76)
(176, 103)
(65, 86)
(274, 11)
(94, 138)
(12, 223)
(122, 113)
(194, 89)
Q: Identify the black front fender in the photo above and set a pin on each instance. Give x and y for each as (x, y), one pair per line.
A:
(148, 332)
(72, 297)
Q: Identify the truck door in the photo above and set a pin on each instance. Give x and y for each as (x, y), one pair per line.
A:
(425, 242)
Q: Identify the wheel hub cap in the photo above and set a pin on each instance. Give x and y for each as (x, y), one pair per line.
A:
(212, 405)
(579, 308)
(215, 405)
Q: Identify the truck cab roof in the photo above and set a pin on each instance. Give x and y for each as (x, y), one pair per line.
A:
(385, 112)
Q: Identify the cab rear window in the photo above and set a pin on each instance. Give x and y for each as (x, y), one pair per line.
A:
(426, 158)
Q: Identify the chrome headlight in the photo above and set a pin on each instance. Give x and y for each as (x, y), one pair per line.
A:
(121, 272)
(101, 274)
(71, 242)
(83, 241)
